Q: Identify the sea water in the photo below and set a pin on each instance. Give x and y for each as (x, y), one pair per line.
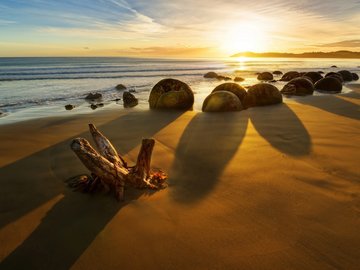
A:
(40, 87)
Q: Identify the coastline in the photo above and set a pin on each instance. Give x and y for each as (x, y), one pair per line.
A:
(223, 209)
(31, 88)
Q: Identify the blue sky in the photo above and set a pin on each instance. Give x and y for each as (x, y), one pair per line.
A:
(175, 28)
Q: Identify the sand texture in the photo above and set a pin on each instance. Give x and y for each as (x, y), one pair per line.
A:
(272, 187)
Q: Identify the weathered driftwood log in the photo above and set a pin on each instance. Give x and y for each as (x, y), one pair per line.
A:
(106, 149)
(109, 170)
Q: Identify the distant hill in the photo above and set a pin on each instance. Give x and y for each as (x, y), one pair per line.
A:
(337, 54)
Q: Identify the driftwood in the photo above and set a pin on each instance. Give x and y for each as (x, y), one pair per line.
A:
(110, 171)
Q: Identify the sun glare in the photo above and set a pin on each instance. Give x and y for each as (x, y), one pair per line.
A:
(244, 37)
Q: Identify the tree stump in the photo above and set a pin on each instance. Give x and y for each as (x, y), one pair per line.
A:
(110, 171)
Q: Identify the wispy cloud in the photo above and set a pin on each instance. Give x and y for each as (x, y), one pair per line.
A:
(6, 22)
(355, 43)
(168, 51)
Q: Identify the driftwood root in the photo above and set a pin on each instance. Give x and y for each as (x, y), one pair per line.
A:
(109, 171)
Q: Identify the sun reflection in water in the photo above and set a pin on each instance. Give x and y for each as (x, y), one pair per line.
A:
(241, 63)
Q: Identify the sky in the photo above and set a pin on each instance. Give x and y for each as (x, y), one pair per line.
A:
(176, 28)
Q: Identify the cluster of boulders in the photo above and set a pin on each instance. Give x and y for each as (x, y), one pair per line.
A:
(301, 84)
(129, 100)
(175, 94)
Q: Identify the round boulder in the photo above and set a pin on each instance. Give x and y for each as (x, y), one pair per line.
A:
(262, 94)
(298, 87)
(239, 79)
(223, 78)
(92, 96)
(211, 75)
(222, 101)
(120, 87)
(288, 76)
(265, 76)
(234, 88)
(329, 84)
(277, 72)
(171, 94)
(347, 76)
(355, 76)
(314, 76)
(69, 107)
(335, 75)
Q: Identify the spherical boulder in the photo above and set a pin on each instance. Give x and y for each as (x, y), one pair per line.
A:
(355, 76)
(223, 78)
(239, 79)
(288, 76)
(277, 72)
(222, 101)
(298, 87)
(262, 94)
(329, 84)
(171, 94)
(347, 76)
(265, 76)
(69, 107)
(314, 76)
(92, 96)
(234, 88)
(120, 87)
(335, 75)
(211, 75)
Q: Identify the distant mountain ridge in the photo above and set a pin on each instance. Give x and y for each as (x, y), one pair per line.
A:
(337, 54)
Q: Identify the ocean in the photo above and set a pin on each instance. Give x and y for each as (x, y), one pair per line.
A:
(40, 87)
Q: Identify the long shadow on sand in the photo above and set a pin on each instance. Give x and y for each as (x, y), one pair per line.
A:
(73, 223)
(334, 104)
(207, 145)
(352, 94)
(280, 126)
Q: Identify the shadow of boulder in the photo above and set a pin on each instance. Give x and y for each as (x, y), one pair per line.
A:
(280, 126)
(334, 104)
(207, 145)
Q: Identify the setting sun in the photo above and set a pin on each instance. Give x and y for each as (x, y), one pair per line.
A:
(241, 37)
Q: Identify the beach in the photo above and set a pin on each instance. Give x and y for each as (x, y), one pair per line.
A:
(273, 187)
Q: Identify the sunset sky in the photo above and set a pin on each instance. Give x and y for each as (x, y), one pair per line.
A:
(176, 28)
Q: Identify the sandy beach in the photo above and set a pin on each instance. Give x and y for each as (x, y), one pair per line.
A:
(272, 187)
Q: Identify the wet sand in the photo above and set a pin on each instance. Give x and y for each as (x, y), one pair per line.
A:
(267, 188)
